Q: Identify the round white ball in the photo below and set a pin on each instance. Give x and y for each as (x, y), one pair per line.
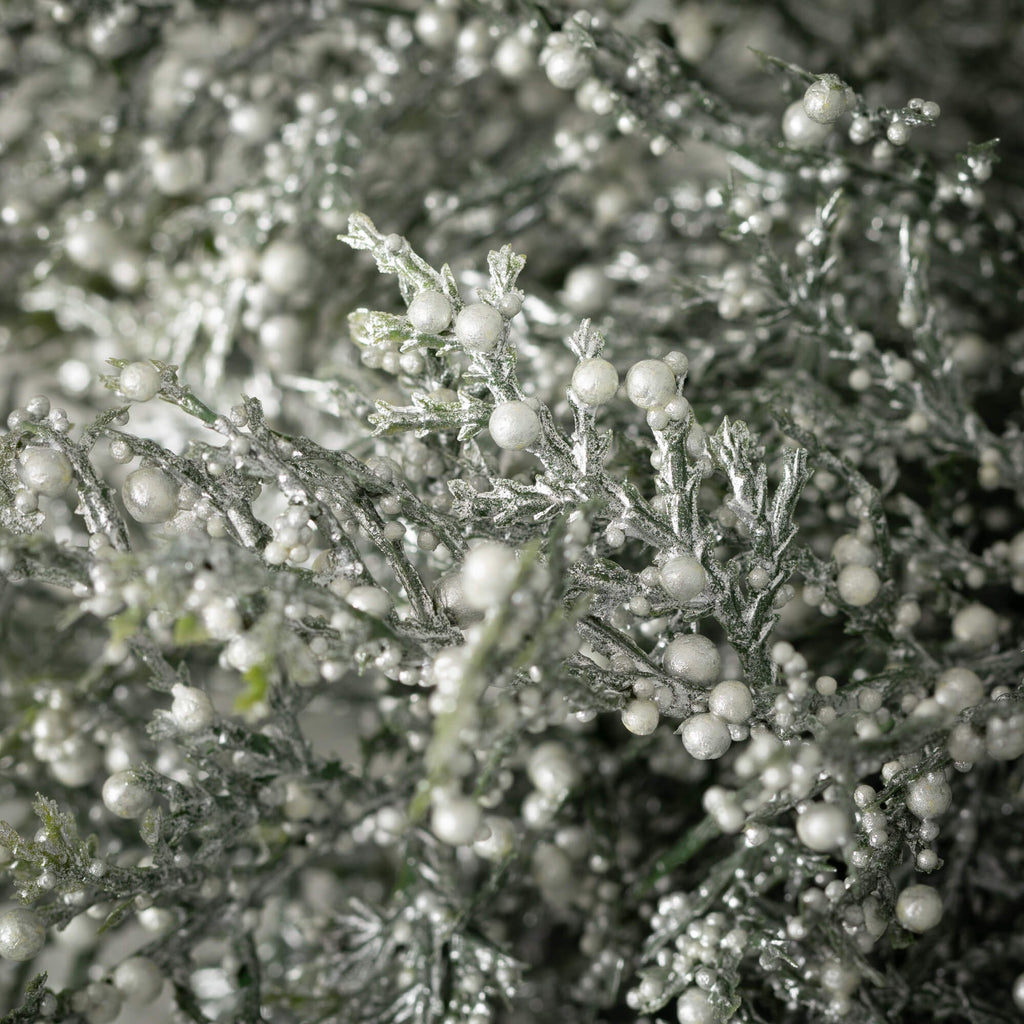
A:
(826, 100)
(640, 717)
(286, 267)
(370, 600)
(976, 625)
(489, 573)
(595, 381)
(514, 426)
(45, 471)
(500, 841)
(958, 689)
(822, 827)
(650, 383)
(731, 700)
(694, 1007)
(191, 708)
(139, 382)
(799, 131)
(918, 908)
(22, 934)
(150, 495)
(478, 327)
(683, 578)
(139, 980)
(706, 737)
(692, 658)
(566, 68)
(585, 291)
(929, 797)
(99, 1003)
(430, 312)
(858, 585)
(455, 820)
(551, 769)
(125, 796)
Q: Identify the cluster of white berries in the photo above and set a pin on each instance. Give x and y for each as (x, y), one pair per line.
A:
(651, 384)
(292, 538)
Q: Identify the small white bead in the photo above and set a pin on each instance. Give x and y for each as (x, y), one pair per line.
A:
(918, 908)
(826, 100)
(371, 600)
(436, 26)
(731, 700)
(692, 658)
(929, 797)
(478, 327)
(191, 708)
(139, 980)
(124, 796)
(150, 495)
(683, 578)
(823, 827)
(706, 737)
(694, 1007)
(455, 820)
(799, 130)
(640, 717)
(44, 471)
(585, 291)
(22, 934)
(551, 770)
(500, 842)
(976, 625)
(286, 267)
(99, 1002)
(513, 58)
(430, 312)
(489, 573)
(858, 585)
(650, 383)
(175, 174)
(898, 133)
(139, 382)
(849, 549)
(595, 381)
(565, 67)
(514, 426)
(958, 689)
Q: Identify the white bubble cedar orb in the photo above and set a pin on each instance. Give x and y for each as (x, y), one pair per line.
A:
(822, 827)
(478, 327)
(138, 979)
(22, 934)
(286, 267)
(370, 600)
(705, 737)
(565, 67)
(693, 658)
(139, 382)
(799, 131)
(191, 708)
(99, 1002)
(489, 573)
(551, 769)
(929, 797)
(150, 495)
(731, 700)
(827, 99)
(919, 908)
(694, 1007)
(858, 585)
(650, 383)
(640, 717)
(500, 840)
(595, 381)
(683, 578)
(430, 312)
(455, 819)
(976, 626)
(125, 796)
(514, 426)
(44, 471)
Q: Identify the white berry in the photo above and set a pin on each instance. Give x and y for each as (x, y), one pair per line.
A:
(22, 934)
(286, 267)
(640, 717)
(565, 67)
(692, 658)
(826, 100)
(551, 769)
(99, 1002)
(500, 841)
(958, 689)
(191, 709)
(976, 625)
(478, 327)
(800, 131)
(918, 908)
(706, 737)
(929, 797)
(858, 585)
(694, 1007)
(139, 382)
(650, 383)
(150, 495)
(44, 471)
(455, 820)
(514, 426)
(823, 827)
(370, 600)
(489, 573)
(595, 381)
(731, 700)
(125, 796)
(683, 578)
(430, 312)
(138, 979)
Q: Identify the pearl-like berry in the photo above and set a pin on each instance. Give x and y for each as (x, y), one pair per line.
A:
(692, 658)
(650, 383)
(919, 908)
(478, 327)
(595, 381)
(150, 495)
(125, 796)
(822, 827)
(826, 100)
(706, 737)
(514, 426)
(640, 717)
(191, 709)
(45, 471)
(139, 980)
(22, 934)
(683, 578)
(139, 382)
(455, 820)
(430, 312)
